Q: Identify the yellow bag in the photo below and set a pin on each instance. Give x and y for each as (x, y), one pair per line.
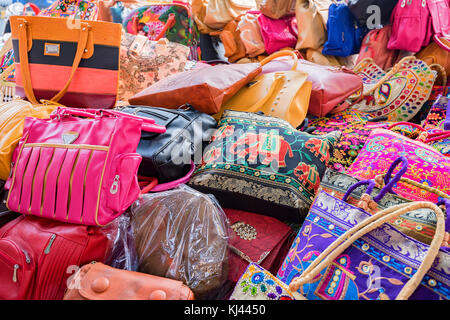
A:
(283, 94)
(12, 117)
(311, 31)
(220, 12)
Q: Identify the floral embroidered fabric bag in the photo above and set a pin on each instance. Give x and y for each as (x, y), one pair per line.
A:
(262, 164)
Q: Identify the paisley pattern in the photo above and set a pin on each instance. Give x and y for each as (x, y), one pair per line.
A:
(76, 9)
(375, 267)
(402, 95)
(265, 159)
(426, 165)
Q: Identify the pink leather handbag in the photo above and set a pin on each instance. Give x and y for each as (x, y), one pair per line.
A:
(278, 33)
(79, 166)
(411, 26)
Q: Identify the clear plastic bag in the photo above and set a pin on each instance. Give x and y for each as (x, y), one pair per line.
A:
(183, 234)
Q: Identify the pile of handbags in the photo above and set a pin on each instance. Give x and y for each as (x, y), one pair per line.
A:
(225, 150)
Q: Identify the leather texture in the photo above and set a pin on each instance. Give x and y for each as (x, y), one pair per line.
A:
(433, 53)
(283, 94)
(220, 12)
(206, 89)
(325, 98)
(66, 49)
(186, 129)
(12, 117)
(374, 46)
(311, 30)
(97, 281)
(75, 169)
(230, 36)
(250, 34)
(276, 9)
(278, 33)
(35, 255)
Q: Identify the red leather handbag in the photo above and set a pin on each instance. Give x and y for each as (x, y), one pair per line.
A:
(79, 166)
(37, 256)
(256, 238)
(331, 86)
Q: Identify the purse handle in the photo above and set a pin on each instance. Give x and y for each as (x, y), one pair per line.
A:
(366, 226)
(425, 136)
(281, 53)
(25, 42)
(33, 7)
(440, 43)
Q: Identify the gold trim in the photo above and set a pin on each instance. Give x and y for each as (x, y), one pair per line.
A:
(100, 184)
(32, 182)
(46, 53)
(69, 198)
(23, 177)
(68, 146)
(57, 183)
(14, 174)
(84, 183)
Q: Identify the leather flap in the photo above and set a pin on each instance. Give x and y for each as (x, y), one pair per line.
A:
(101, 282)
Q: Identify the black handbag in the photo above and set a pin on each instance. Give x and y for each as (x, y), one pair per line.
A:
(359, 9)
(168, 156)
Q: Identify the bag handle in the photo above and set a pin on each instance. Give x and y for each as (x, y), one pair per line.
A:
(24, 45)
(440, 43)
(282, 53)
(153, 186)
(33, 7)
(169, 24)
(366, 226)
(425, 136)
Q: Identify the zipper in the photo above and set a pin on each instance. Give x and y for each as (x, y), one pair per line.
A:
(27, 257)
(47, 249)
(115, 185)
(16, 267)
(13, 263)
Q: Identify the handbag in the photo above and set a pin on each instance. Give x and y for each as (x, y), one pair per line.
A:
(426, 164)
(39, 255)
(374, 46)
(437, 116)
(408, 16)
(168, 155)
(284, 94)
(344, 34)
(440, 20)
(182, 234)
(144, 62)
(344, 253)
(256, 239)
(398, 94)
(250, 34)
(278, 33)
(47, 61)
(172, 20)
(12, 117)
(437, 53)
(277, 9)
(220, 12)
(264, 161)
(97, 281)
(60, 163)
(205, 89)
(317, 57)
(311, 30)
(78, 9)
(359, 9)
(230, 36)
(325, 99)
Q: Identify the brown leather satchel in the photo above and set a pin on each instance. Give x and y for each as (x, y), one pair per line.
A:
(435, 54)
(205, 89)
(97, 281)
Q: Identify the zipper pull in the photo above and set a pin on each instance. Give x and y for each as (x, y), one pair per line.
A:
(27, 257)
(16, 266)
(52, 238)
(115, 185)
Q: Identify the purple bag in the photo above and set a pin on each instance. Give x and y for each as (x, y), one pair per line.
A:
(344, 253)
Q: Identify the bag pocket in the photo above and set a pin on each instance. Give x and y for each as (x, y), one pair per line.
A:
(16, 271)
(123, 187)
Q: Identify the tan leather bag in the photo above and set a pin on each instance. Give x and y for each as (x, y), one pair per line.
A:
(276, 9)
(250, 33)
(323, 7)
(97, 281)
(199, 12)
(434, 54)
(220, 12)
(231, 40)
(311, 30)
(316, 56)
(283, 94)
(206, 89)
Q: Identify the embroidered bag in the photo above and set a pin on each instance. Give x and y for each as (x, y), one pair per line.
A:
(398, 94)
(172, 20)
(76, 9)
(426, 164)
(144, 62)
(438, 112)
(344, 253)
(355, 128)
(272, 168)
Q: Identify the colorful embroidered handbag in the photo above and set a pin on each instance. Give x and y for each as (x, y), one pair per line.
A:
(74, 64)
(426, 164)
(78, 167)
(398, 94)
(144, 62)
(345, 253)
(438, 112)
(274, 169)
(256, 283)
(256, 238)
(355, 127)
(172, 20)
(283, 94)
(76, 9)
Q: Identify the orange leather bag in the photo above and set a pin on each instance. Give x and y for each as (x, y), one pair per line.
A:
(97, 281)
(205, 89)
(435, 54)
(231, 39)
